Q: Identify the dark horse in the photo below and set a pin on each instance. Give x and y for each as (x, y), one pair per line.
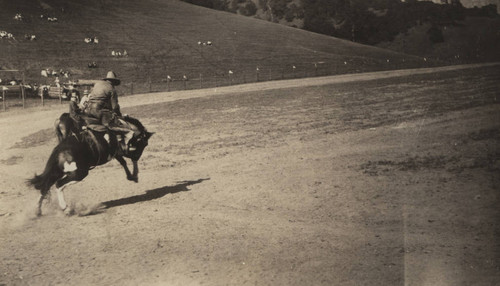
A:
(78, 152)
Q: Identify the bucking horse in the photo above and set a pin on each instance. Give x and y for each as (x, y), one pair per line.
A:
(80, 151)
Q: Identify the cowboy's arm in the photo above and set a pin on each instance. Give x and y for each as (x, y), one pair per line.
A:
(115, 107)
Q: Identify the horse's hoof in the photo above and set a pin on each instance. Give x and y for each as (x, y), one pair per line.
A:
(38, 213)
(135, 179)
(69, 211)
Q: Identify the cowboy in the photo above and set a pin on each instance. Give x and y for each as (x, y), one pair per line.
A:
(103, 105)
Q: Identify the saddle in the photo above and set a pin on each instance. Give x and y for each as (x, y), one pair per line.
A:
(93, 123)
(120, 129)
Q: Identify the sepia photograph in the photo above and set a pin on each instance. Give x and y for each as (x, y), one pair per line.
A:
(250, 142)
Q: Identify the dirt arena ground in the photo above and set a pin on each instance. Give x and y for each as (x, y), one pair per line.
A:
(386, 181)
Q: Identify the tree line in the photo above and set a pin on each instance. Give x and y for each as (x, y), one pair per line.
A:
(364, 21)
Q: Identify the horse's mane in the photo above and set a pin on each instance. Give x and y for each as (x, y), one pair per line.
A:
(135, 122)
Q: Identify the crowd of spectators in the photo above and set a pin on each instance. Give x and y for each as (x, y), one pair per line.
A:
(119, 53)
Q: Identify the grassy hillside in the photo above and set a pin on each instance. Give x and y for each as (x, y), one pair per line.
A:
(423, 28)
(161, 38)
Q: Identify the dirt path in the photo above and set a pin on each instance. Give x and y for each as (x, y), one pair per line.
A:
(381, 182)
(304, 82)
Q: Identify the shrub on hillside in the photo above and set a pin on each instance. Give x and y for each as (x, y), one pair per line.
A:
(223, 5)
(435, 34)
(203, 3)
(489, 11)
(249, 9)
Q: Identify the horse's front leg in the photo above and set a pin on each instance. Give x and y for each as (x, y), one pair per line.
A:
(130, 176)
(135, 171)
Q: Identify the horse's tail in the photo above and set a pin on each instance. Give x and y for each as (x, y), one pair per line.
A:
(63, 126)
(50, 175)
(59, 130)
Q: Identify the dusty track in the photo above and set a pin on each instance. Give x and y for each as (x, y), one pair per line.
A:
(373, 182)
(25, 120)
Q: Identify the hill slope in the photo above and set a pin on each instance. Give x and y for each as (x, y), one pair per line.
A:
(449, 33)
(161, 38)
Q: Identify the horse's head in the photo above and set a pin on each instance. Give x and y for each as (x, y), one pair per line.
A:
(137, 145)
(139, 141)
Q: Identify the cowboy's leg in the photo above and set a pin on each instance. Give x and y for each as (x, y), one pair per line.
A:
(106, 118)
(94, 111)
(129, 135)
(114, 123)
(109, 120)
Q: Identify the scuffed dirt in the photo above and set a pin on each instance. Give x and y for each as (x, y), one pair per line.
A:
(383, 182)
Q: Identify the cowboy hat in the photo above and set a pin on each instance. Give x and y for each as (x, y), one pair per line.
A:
(111, 76)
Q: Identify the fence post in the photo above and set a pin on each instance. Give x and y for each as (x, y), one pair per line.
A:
(42, 98)
(215, 80)
(201, 82)
(23, 96)
(131, 88)
(22, 92)
(3, 99)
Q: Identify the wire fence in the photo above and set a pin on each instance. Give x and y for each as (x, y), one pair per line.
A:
(207, 81)
(190, 81)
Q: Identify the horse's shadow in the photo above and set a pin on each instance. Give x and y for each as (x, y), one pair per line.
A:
(147, 196)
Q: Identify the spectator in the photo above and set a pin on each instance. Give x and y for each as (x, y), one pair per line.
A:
(75, 112)
(84, 101)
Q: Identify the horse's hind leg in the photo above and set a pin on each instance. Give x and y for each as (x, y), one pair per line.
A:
(38, 211)
(61, 200)
(69, 179)
(43, 195)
